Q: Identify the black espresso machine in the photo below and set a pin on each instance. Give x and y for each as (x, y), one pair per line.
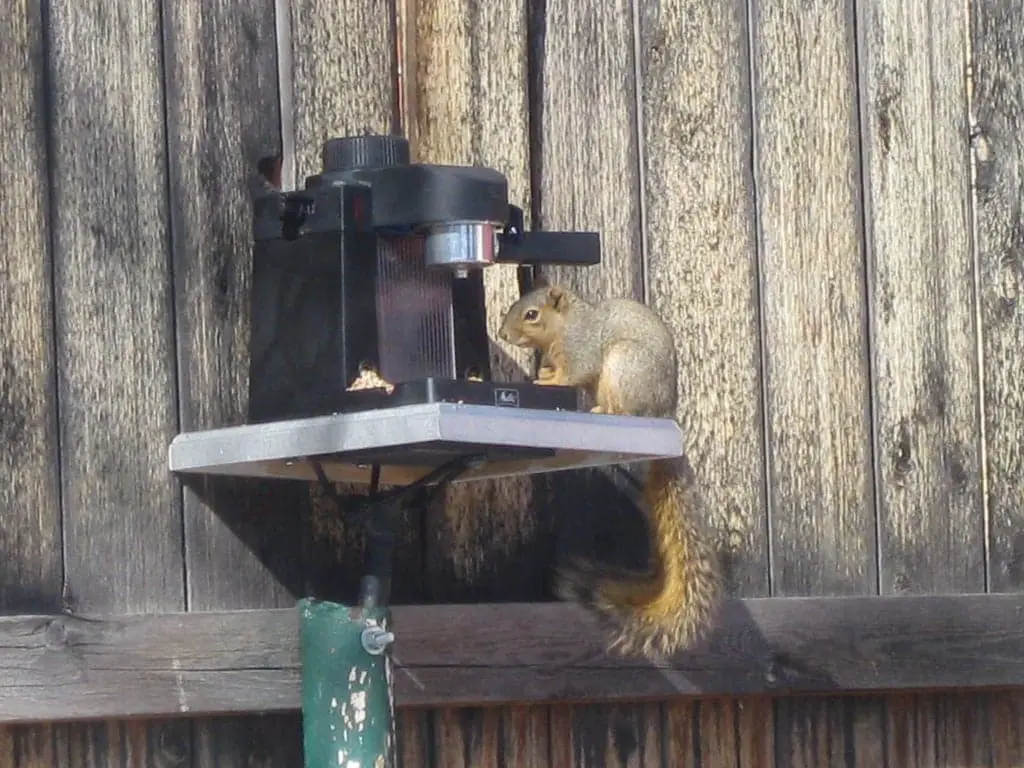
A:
(376, 267)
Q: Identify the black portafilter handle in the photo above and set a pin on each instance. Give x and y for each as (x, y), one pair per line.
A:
(536, 248)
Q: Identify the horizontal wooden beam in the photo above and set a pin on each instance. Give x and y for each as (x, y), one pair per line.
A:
(64, 667)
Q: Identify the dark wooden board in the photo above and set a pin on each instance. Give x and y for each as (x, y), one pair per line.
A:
(65, 667)
(243, 538)
(30, 543)
(122, 523)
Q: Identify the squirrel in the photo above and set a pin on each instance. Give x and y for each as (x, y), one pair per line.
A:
(623, 355)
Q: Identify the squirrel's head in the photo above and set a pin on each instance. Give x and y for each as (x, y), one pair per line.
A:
(537, 319)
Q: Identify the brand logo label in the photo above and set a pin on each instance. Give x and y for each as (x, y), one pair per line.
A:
(506, 397)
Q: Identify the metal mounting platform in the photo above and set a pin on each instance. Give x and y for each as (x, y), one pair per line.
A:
(410, 441)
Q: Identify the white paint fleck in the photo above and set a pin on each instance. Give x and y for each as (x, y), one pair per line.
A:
(358, 701)
(334, 703)
(179, 683)
(352, 675)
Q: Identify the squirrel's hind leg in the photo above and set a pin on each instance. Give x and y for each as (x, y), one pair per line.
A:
(623, 387)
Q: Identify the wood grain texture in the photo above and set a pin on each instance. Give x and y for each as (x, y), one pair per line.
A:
(586, 166)
(702, 262)
(924, 342)
(465, 90)
(702, 277)
(932, 524)
(118, 413)
(211, 663)
(30, 543)
(468, 69)
(468, 738)
(841, 731)
(924, 339)
(928, 730)
(525, 736)
(343, 58)
(997, 107)
(714, 731)
(817, 384)
(586, 158)
(413, 735)
(243, 538)
(1006, 727)
(817, 387)
(114, 339)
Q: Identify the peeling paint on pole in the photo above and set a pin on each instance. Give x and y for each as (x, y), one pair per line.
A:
(347, 698)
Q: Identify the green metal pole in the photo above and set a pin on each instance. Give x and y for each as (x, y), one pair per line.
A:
(347, 694)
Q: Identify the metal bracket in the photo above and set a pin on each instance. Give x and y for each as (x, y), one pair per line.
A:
(381, 513)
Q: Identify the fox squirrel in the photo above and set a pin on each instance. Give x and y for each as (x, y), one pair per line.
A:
(623, 355)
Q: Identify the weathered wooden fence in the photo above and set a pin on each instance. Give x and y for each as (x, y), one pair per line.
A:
(824, 200)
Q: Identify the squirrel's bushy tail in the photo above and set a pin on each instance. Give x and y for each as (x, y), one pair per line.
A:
(670, 607)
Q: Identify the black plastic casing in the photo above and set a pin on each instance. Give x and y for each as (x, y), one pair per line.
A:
(315, 281)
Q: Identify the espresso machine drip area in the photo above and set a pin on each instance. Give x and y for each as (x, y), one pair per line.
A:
(368, 290)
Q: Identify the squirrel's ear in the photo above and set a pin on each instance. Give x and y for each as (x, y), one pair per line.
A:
(556, 296)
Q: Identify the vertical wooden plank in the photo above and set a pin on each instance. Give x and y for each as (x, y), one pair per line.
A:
(819, 436)
(586, 160)
(702, 277)
(114, 337)
(526, 737)
(702, 257)
(343, 59)
(243, 538)
(467, 738)
(586, 168)
(30, 543)
(931, 521)
(342, 56)
(817, 387)
(922, 306)
(996, 92)
(997, 108)
(948, 729)
(412, 738)
(1006, 729)
(468, 84)
(464, 88)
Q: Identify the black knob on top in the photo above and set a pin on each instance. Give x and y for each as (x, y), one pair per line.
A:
(350, 153)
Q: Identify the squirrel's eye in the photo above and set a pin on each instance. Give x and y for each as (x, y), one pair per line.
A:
(530, 314)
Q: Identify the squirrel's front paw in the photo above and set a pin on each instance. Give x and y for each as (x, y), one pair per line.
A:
(548, 375)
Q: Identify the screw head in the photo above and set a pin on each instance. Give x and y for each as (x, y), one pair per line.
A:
(375, 640)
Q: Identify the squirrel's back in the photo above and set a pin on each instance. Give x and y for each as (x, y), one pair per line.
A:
(646, 364)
